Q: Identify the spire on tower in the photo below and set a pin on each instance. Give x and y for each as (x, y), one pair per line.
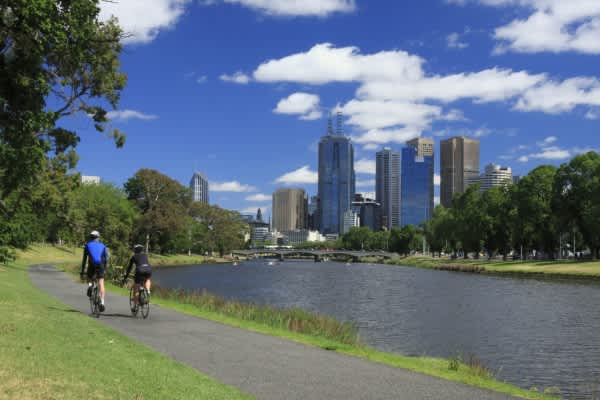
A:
(340, 128)
(330, 126)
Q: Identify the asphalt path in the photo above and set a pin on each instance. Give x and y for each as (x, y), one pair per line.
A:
(266, 367)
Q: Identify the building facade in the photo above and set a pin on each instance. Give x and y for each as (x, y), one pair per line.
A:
(369, 212)
(336, 179)
(424, 146)
(290, 210)
(495, 175)
(199, 187)
(90, 180)
(387, 186)
(459, 161)
(416, 189)
(351, 220)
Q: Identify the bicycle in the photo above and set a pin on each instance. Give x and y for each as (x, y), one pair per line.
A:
(143, 303)
(95, 297)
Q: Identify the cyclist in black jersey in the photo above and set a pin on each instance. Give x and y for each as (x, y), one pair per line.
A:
(143, 270)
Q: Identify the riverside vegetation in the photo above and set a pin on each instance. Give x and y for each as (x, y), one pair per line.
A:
(294, 324)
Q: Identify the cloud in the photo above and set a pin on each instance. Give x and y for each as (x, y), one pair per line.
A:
(558, 97)
(436, 200)
(592, 114)
(201, 79)
(299, 176)
(370, 183)
(287, 8)
(303, 104)
(258, 197)
(124, 115)
(368, 195)
(437, 180)
(550, 26)
(453, 41)
(548, 153)
(239, 77)
(365, 166)
(371, 147)
(233, 186)
(143, 22)
(547, 141)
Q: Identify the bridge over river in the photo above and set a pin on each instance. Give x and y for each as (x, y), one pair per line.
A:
(317, 255)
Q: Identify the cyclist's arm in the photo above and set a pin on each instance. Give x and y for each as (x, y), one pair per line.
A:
(83, 262)
(105, 257)
(131, 261)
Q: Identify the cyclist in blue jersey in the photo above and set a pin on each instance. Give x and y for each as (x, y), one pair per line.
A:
(96, 255)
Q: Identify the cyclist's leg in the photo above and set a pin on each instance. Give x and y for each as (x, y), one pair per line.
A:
(100, 274)
(148, 283)
(90, 277)
(137, 281)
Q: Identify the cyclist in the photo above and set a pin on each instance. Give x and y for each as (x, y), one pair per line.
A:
(143, 270)
(96, 255)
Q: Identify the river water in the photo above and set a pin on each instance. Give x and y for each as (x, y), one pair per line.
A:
(528, 332)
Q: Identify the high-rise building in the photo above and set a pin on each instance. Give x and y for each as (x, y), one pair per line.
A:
(459, 166)
(313, 213)
(289, 209)
(369, 212)
(387, 186)
(90, 180)
(351, 220)
(416, 187)
(199, 187)
(495, 175)
(336, 179)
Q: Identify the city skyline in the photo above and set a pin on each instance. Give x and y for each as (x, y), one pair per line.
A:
(250, 116)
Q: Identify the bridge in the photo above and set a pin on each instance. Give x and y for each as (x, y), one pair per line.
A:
(317, 255)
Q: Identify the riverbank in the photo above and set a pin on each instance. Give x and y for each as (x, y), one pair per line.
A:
(48, 350)
(547, 269)
(300, 327)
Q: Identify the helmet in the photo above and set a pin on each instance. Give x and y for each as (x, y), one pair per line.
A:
(95, 234)
(138, 247)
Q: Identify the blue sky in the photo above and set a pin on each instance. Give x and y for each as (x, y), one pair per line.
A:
(241, 89)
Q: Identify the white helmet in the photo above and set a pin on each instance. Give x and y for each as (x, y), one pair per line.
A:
(95, 234)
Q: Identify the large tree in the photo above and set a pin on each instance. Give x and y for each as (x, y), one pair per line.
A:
(57, 59)
(577, 198)
(470, 220)
(498, 207)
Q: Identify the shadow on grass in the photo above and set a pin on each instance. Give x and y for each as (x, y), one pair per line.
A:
(69, 310)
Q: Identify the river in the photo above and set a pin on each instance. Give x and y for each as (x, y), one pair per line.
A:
(528, 332)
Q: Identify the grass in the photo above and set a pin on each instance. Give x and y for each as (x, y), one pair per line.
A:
(550, 269)
(48, 351)
(323, 332)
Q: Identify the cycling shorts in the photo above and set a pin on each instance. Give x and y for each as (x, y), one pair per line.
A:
(139, 277)
(95, 269)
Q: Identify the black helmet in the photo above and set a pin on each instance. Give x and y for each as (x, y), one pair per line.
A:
(138, 248)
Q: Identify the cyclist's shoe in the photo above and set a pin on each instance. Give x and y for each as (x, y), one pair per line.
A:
(89, 291)
(134, 309)
(101, 307)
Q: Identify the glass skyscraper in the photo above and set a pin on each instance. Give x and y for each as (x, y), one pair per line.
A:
(336, 179)
(199, 187)
(416, 188)
(387, 186)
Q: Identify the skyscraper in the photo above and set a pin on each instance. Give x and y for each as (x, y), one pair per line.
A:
(495, 175)
(289, 210)
(459, 166)
(336, 179)
(387, 186)
(416, 189)
(425, 148)
(199, 186)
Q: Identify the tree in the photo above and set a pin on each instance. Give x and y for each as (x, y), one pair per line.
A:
(405, 239)
(497, 205)
(357, 238)
(56, 59)
(439, 230)
(469, 218)
(534, 223)
(576, 197)
(163, 204)
(217, 229)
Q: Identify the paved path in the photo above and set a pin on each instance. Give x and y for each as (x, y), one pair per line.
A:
(263, 366)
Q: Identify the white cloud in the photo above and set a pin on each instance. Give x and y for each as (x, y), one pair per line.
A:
(258, 197)
(436, 200)
(437, 180)
(301, 175)
(139, 20)
(365, 166)
(547, 141)
(296, 8)
(370, 183)
(239, 77)
(368, 195)
(201, 79)
(124, 115)
(551, 26)
(233, 186)
(305, 105)
(559, 97)
(253, 210)
(453, 41)
(371, 147)
(593, 114)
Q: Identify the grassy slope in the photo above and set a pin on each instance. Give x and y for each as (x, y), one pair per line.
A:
(575, 269)
(47, 351)
(430, 366)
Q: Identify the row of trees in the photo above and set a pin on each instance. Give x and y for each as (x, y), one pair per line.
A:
(540, 212)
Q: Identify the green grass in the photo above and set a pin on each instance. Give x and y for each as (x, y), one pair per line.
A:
(309, 329)
(550, 269)
(48, 351)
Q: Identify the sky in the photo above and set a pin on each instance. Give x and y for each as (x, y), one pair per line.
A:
(241, 89)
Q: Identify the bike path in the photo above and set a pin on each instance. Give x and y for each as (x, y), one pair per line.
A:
(266, 367)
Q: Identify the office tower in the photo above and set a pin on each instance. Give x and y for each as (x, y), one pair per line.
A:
(90, 180)
(351, 220)
(459, 166)
(387, 186)
(199, 186)
(495, 175)
(313, 213)
(336, 179)
(416, 187)
(289, 209)
(424, 146)
(369, 212)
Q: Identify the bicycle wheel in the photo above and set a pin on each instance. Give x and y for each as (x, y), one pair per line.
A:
(145, 302)
(96, 300)
(132, 306)
(92, 301)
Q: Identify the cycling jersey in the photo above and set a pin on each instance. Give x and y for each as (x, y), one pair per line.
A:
(142, 265)
(96, 254)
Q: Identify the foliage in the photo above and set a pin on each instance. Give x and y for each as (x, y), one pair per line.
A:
(216, 229)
